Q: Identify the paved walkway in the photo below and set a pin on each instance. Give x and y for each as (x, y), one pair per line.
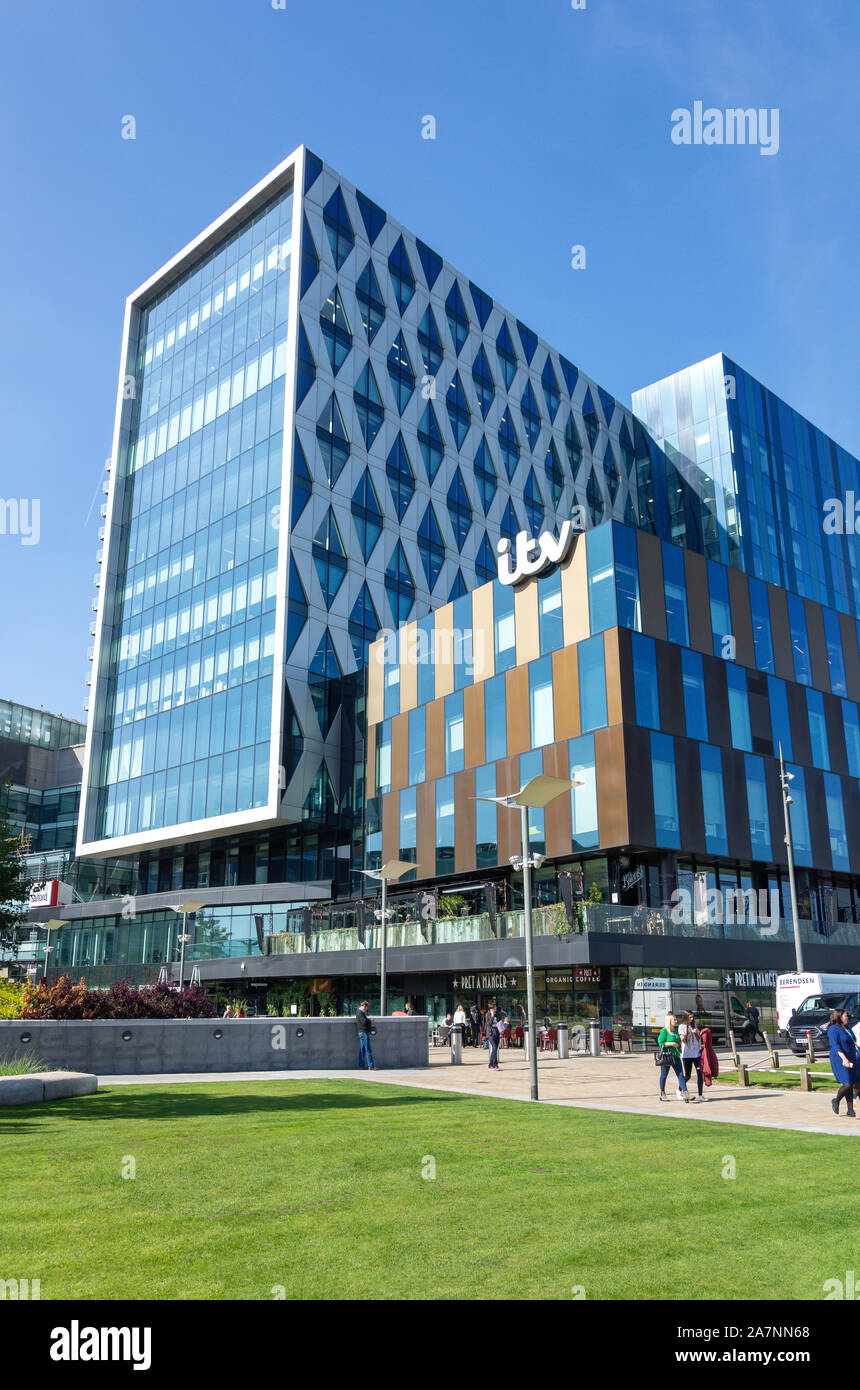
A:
(627, 1084)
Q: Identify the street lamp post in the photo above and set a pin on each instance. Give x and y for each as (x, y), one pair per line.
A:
(186, 909)
(784, 779)
(53, 925)
(537, 793)
(390, 870)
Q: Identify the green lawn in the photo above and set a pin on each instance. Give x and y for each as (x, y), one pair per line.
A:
(821, 1075)
(317, 1186)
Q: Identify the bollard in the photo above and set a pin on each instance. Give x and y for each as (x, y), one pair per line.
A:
(594, 1038)
(526, 1044)
(810, 1050)
(456, 1044)
(733, 1045)
(805, 1083)
(743, 1074)
(563, 1040)
(774, 1056)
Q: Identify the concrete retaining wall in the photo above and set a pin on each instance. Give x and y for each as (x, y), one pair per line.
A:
(114, 1047)
(45, 1085)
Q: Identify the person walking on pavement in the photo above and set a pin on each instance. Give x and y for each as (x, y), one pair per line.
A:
(365, 1027)
(475, 1016)
(691, 1051)
(710, 1061)
(669, 1057)
(752, 1030)
(843, 1061)
(493, 1024)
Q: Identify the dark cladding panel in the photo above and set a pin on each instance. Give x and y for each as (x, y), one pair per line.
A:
(464, 826)
(760, 727)
(817, 646)
(636, 787)
(671, 688)
(742, 630)
(783, 660)
(717, 701)
(737, 810)
(851, 799)
(816, 807)
(690, 810)
(836, 735)
(612, 801)
(651, 594)
(848, 630)
(799, 720)
(425, 807)
(698, 602)
(556, 763)
(775, 812)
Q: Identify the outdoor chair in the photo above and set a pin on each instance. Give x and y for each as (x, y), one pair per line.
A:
(624, 1037)
(607, 1039)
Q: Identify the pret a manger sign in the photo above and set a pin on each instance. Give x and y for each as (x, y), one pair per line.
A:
(530, 556)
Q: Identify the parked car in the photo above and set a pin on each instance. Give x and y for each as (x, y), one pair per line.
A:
(813, 1017)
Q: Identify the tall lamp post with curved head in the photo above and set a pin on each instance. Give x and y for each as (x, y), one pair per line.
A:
(390, 870)
(185, 909)
(537, 793)
(54, 925)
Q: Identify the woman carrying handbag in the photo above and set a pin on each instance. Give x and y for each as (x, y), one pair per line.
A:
(668, 1057)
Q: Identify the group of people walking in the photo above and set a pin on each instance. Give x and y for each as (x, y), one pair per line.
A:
(682, 1047)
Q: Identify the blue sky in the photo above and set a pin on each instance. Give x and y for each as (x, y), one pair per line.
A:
(553, 129)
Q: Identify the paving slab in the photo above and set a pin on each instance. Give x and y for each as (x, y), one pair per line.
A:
(625, 1083)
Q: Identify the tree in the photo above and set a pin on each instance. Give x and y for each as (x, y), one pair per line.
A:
(14, 887)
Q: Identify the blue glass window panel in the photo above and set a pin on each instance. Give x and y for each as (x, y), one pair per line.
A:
(372, 216)
(713, 799)
(486, 818)
(739, 707)
(425, 651)
(399, 586)
(383, 757)
(457, 403)
(721, 613)
(430, 442)
(531, 765)
(549, 381)
(305, 366)
(417, 735)
(458, 319)
(336, 331)
(495, 718)
(645, 681)
(459, 509)
(482, 302)
(363, 625)
(531, 415)
(533, 502)
(835, 659)
(313, 169)
(370, 301)
(510, 524)
(799, 639)
(590, 419)
(408, 825)
(504, 626)
(485, 561)
(762, 637)
(455, 747)
(528, 340)
(851, 724)
(333, 440)
(570, 374)
(391, 689)
(431, 546)
(431, 263)
(626, 553)
(675, 592)
(485, 474)
(339, 228)
(554, 473)
(302, 486)
(463, 640)
(401, 479)
(817, 729)
(506, 354)
(401, 274)
(695, 707)
(540, 702)
(779, 719)
(368, 404)
(665, 789)
(329, 557)
(601, 578)
(445, 825)
(550, 613)
(759, 817)
(310, 259)
(366, 514)
(801, 838)
(573, 446)
(836, 822)
(485, 386)
(430, 343)
(401, 373)
(583, 799)
(592, 684)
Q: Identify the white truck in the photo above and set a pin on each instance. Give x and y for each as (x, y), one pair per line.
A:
(655, 997)
(792, 989)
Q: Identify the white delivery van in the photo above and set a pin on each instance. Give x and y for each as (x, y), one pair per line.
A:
(792, 989)
(656, 996)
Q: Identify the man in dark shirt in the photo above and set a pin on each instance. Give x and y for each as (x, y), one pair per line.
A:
(365, 1026)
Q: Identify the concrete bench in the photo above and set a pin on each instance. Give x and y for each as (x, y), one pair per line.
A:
(46, 1085)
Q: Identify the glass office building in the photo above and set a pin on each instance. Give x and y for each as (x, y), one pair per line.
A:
(323, 431)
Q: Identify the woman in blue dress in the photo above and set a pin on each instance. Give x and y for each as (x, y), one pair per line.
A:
(843, 1060)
